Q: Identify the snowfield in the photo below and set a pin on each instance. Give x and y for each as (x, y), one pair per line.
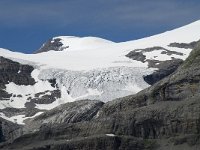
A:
(83, 57)
(73, 43)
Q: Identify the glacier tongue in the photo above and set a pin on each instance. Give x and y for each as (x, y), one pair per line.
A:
(102, 84)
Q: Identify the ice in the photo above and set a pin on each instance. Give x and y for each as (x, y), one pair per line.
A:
(103, 84)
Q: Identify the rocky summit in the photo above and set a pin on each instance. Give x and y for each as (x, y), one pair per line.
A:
(141, 94)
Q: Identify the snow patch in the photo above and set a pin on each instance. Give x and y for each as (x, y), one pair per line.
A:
(91, 92)
(111, 135)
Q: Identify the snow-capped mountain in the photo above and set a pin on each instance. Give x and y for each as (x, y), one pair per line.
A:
(70, 68)
(73, 43)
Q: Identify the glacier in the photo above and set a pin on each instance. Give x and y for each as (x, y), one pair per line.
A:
(92, 68)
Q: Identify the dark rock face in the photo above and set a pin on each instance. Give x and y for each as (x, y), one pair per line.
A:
(28, 112)
(165, 68)
(11, 71)
(9, 131)
(44, 98)
(77, 111)
(52, 44)
(53, 83)
(138, 55)
(100, 142)
(191, 45)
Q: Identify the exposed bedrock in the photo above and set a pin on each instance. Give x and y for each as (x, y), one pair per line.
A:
(51, 44)
(165, 68)
(191, 45)
(9, 131)
(11, 71)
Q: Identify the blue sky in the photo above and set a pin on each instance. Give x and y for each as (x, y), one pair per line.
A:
(26, 24)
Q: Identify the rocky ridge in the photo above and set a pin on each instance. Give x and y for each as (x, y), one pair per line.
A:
(51, 44)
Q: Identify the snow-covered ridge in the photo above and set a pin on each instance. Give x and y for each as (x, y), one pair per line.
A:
(78, 57)
(81, 43)
(184, 34)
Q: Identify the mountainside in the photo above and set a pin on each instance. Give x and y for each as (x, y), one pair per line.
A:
(66, 69)
(163, 116)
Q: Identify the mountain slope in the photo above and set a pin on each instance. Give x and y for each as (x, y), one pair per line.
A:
(75, 68)
(163, 116)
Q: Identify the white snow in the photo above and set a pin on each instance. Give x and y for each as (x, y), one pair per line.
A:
(157, 55)
(73, 43)
(111, 135)
(132, 87)
(90, 92)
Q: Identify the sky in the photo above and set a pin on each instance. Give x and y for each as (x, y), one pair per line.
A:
(26, 24)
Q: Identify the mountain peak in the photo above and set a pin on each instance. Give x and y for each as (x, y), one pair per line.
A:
(68, 43)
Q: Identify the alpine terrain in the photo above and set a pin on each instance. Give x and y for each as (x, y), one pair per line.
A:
(85, 93)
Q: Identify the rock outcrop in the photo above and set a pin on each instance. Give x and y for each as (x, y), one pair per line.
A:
(165, 68)
(191, 45)
(77, 111)
(138, 54)
(9, 131)
(11, 71)
(52, 44)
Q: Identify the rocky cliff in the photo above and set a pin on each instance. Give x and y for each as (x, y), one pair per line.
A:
(9, 131)
(11, 71)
